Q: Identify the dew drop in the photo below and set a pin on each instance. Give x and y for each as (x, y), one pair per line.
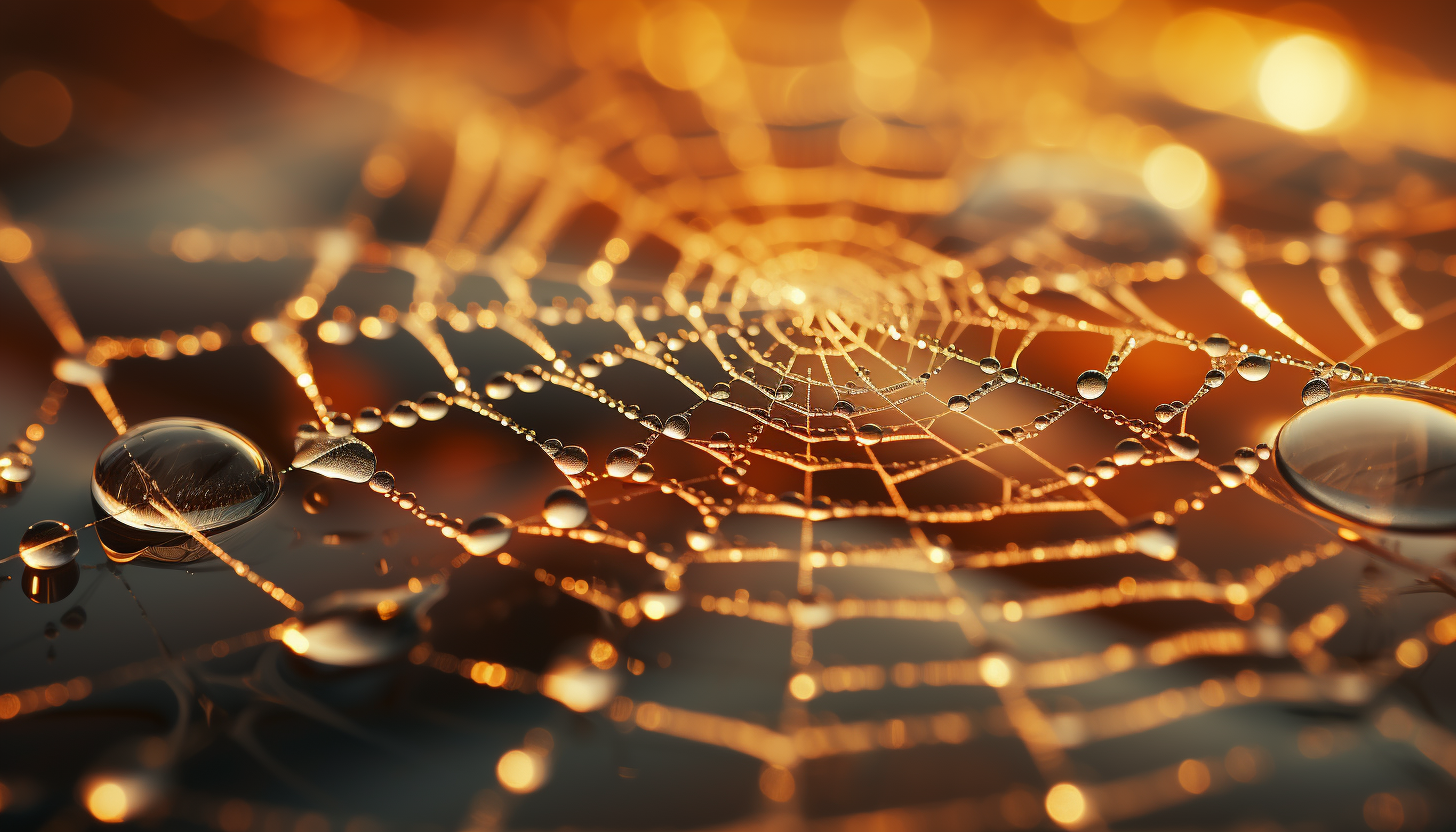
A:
(1128, 452)
(1091, 384)
(1105, 468)
(843, 408)
(1183, 446)
(368, 420)
(1010, 375)
(530, 381)
(382, 482)
(1164, 413)
(340, 424)
(49, 544)
(1232, 476)
(643, 472)
(1075, 474)
(500, 387)
(15, 466)
(551, 447)
(486, 534)
(214, 476)
(959, 404)
(571, 460)
(432, 407)
(1247, 459)
(1315, 391)
(990, 366)
(565, 508)
(1217, 345)
(1379, 459)
(621, 462)
(403, 415)
(338, 457)
(362, 628)
(1214, 378)
(652, 422)
(677, 426)
(1254, 367)
(869, 434)
(720, 391)
(783, 393)
(1263, 450)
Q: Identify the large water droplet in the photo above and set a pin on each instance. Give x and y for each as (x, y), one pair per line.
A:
(1216, 345)
(49, 544)
(1128, 452)
(960, 404)
(677, 426)
(571, 460)
(990, 366)
(1378, 459)
(565, 508)
(1091, 384)
(621, 462)
(1254, 367)
(213, 476)
(337, 457)
(485, 534)
(1183, 446)
(869, 434)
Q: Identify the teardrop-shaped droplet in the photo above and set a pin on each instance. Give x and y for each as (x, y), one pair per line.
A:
(432, 407)
(1091, 384)
(338, 457)
(368, 420)
(1315, 391)
(485, 534)
(500, 387)
(1216, 345)
(1232, 476)
(1379, 459)
(1247, 459)
(49, 544)
(1164, 413)
(1128, 452)
(571, 460)
(1254, 367)
(1214, 378)
(959, 404)
(403, 415)
(621, 462)
(677, 426)
(1183, 446)
(990, 366)
(382, 482)
(213, 476)
(565, 508)
(869, 434)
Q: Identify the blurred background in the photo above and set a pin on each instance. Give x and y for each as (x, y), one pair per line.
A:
(266, 212)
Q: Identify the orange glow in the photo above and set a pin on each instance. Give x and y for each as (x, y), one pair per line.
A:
(35, 108)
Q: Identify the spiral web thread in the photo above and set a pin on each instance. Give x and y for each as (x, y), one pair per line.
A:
(759, 288)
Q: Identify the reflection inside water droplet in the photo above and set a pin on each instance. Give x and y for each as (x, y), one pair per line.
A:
(213, 476)
(1376, 458)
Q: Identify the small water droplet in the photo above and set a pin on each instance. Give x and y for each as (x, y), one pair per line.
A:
(1164, 413)
(403, 415)
(869, 434)
(783, 393)
(1379, 459)
(1315, 391)
(1128, 452)
(49, 544)
(1232, 476)
(1075, 474)
(1105, 468)
(1217, 345)
(959, 404)
(1091, 384)
(565, 508)
(368, 420)
(1214, 378)
(990, 366)
(214, 476)
(1247, 459)
(571, 460)
(843, 408)
(720, 391)
(1262, 449)
(677, 426)
(621, 462)
(432, 407)
(1183, 446)
(15, 466)
(552, 447)
(337, 457)
(1010, 375)
(500, 387)
(652, 422)
(1254, 367)
(486, 534)
(382, 482)
(340, 424)
(643, 472)
(530, 381)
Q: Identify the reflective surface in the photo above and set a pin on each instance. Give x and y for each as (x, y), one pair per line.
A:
(1379, 459)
